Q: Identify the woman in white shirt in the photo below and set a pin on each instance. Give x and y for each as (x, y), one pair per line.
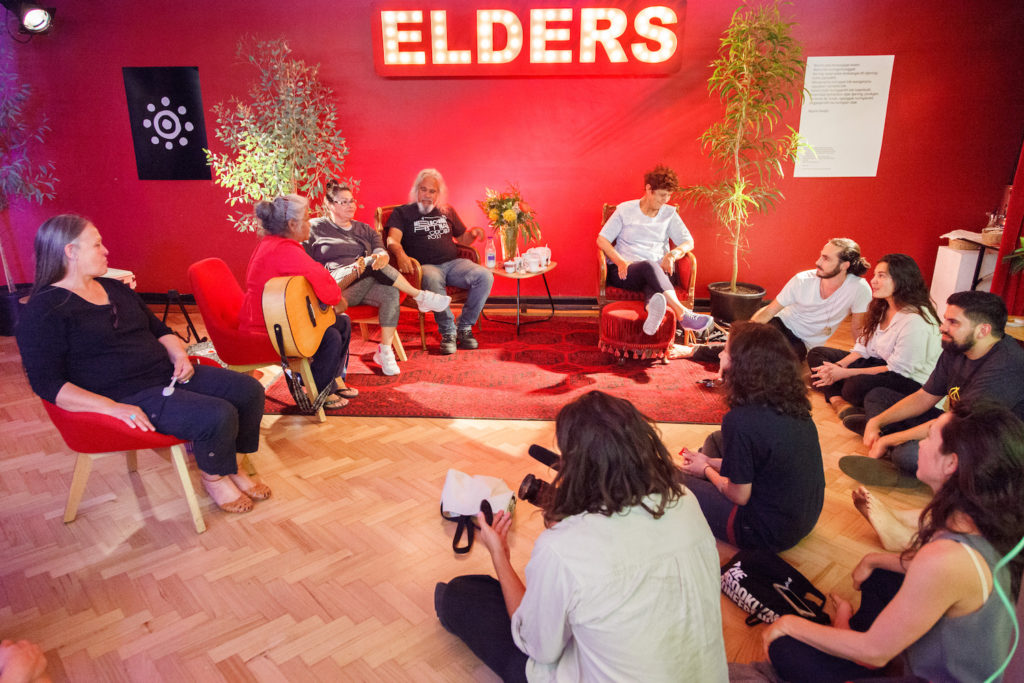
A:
(898, 349)
(623, 585)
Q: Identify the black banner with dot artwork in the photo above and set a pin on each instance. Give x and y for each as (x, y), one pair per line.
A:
(165, 108)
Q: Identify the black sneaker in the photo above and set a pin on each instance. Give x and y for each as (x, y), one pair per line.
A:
(447, 344)
(465, 338)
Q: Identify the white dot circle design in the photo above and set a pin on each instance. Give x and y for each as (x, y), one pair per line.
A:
(167, 124)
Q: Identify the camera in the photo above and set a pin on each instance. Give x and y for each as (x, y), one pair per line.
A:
(534, 490)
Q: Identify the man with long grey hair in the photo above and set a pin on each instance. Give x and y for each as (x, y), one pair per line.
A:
(424, 230)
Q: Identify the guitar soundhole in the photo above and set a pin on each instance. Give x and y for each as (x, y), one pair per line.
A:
(310, 313)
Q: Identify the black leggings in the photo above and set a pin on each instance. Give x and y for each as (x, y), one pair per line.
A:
(796, 662)
(473, 608)
(854, 389)
(641, 276)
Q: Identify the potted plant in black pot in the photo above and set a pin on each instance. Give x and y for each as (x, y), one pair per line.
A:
(757, 75)
(20, 177)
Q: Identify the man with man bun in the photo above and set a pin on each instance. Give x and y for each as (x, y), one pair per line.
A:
(813, 303)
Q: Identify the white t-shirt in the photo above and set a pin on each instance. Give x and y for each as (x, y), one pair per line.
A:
(910, 345)
(814, 319)
(624, 598)
(639, 237)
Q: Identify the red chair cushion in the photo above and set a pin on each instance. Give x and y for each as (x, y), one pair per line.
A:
(99, 433)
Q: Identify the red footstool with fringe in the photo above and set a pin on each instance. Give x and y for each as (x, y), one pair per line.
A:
(622, 332)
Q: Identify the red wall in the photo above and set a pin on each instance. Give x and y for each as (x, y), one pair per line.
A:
(953, 130)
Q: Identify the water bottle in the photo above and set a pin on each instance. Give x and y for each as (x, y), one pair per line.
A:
(491, 259)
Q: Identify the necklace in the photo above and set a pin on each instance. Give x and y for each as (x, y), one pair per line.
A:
(829, 310)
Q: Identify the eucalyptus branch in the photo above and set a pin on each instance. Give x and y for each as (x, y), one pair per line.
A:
(284, 139)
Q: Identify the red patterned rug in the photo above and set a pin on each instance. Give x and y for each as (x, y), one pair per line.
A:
(528, 377)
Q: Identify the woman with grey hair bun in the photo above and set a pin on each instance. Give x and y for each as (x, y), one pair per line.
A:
(284, 222)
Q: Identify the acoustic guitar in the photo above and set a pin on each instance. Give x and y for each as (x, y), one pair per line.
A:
(290, 303)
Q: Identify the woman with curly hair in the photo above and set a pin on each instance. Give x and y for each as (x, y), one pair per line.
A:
(761, 481)
(897, 350)
(935, 602)
(622, 585)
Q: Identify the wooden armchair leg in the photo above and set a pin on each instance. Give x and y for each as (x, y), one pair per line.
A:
(181, 467)
(423, 331)
(311, 390)
(132, 458)
(83, 465)
(396, 344)
(364, 331)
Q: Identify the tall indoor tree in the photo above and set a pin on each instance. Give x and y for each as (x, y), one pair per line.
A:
(283, 138)
(757, 75)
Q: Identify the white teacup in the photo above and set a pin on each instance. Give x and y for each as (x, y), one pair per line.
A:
(533, 263)
(510, 266)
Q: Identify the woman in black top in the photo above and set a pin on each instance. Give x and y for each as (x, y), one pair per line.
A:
(760, 480)
(90, 344)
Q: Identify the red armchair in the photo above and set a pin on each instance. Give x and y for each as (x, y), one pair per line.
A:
(219, 298)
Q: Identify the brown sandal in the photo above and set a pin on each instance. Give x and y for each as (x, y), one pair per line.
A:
(241, 504)
(257, 490)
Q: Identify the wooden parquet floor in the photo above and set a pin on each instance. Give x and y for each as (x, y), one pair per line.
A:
(331, 579)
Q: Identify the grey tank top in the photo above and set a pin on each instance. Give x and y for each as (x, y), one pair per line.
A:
(970, 647)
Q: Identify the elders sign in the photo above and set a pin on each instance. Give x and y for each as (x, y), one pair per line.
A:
(628, 39)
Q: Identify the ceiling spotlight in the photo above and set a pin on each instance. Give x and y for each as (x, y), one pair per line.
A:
(32, 18)
(36, 19)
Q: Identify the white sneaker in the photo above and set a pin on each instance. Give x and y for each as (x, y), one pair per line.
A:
(385, 358)
(428, 301)
(655, 313)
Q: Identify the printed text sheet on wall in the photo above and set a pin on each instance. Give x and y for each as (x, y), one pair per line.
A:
(843, 116)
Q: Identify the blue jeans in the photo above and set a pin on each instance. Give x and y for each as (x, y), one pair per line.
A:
(461, 273)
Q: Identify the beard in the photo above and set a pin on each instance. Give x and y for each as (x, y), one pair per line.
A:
(827, 276)
(425, 207)
(959, 347)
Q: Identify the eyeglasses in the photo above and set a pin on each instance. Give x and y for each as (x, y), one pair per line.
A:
(342, 202)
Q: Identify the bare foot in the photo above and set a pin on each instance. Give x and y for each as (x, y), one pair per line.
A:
(254, 489)
(843, 611)
(894, 534)
(225, 494)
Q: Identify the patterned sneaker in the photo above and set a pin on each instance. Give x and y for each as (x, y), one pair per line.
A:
(385, 358)
(465, 338)
(447, 344)
(428, 301)
(696, 322)
(655, 313)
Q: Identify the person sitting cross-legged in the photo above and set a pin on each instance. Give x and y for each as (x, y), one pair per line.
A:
(897, 350)
(635, 240)
(760, 480)
(622, 585)
(935, 603)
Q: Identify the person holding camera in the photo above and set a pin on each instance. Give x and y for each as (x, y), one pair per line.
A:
(623, 583)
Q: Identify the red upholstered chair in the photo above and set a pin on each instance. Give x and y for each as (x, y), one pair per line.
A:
(465, 250)
(623, 311)
(219, 298)
(95, 435)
